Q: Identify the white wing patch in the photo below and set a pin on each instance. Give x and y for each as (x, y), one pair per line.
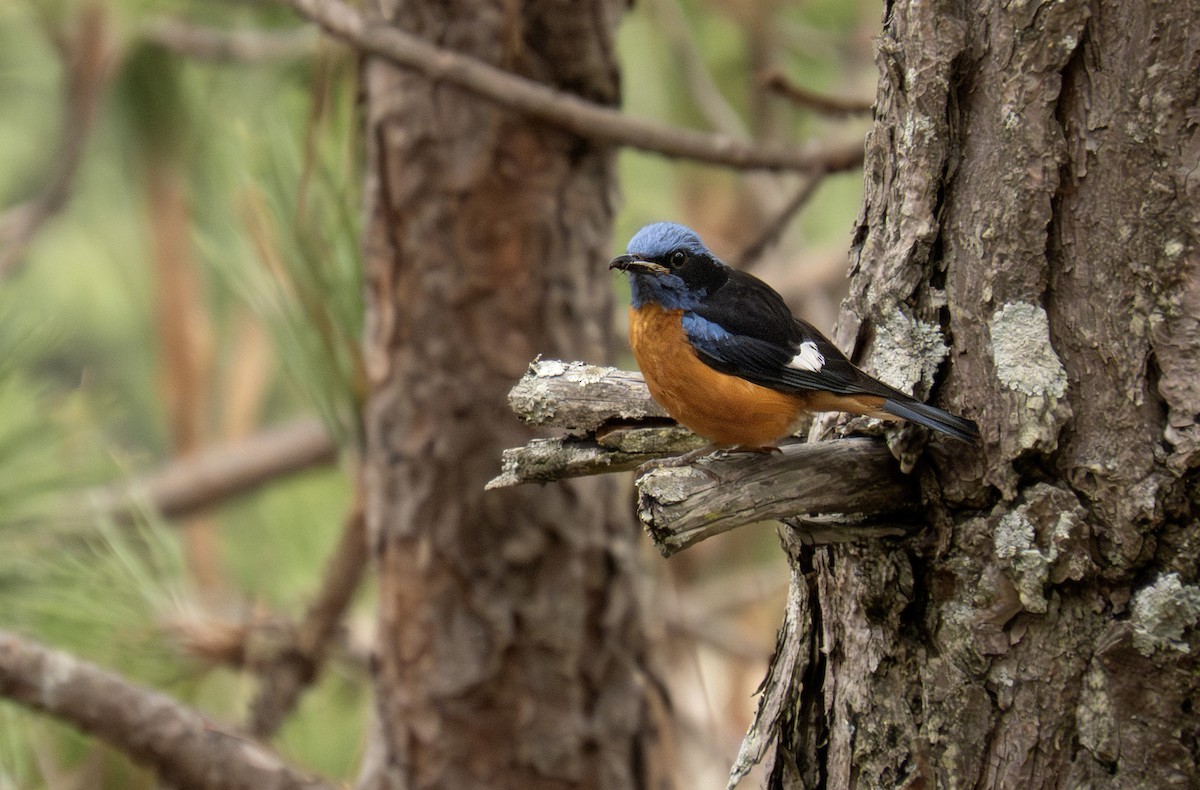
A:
(808, 358)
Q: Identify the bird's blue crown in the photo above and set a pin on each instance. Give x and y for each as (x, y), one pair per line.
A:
(659, 238)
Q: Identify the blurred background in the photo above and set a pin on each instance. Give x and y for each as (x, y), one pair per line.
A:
(179, 283)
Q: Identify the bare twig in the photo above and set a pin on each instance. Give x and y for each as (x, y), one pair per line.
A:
(229, 46)
(296, 667)
(707, 97)
(614, 424)
(770, 235)
(565, 110)
(829, 105)
(182, 745)
(88, 58)
(220, 472)
(680, 506)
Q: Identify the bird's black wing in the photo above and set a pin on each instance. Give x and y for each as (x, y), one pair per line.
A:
(745, 329)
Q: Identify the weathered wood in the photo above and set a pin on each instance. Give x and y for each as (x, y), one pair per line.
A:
(680, 506)
(546, 460)
(580, 397)
(620, 428)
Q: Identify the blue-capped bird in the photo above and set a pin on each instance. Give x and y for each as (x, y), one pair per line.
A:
(723, 354)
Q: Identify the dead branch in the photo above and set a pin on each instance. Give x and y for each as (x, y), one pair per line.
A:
(618, 450)
(613, 423)
(681, 506)
(778, 82)
(297, 666)
(215, 474)
(229, 46)
(581, 397)
(614, 426)
(88, 57)
(566, 110)
(184, 747)
(774, 229)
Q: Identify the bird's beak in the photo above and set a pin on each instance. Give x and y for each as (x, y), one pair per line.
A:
(632, 263)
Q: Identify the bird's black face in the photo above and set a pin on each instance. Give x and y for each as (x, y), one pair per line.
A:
(677, 278)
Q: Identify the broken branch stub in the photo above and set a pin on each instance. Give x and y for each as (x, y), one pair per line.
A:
(681, 506)
(581, 397)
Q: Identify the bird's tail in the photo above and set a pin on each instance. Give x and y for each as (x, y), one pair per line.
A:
(933, 417)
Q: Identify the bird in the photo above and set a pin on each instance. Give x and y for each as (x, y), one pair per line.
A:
(721, 351)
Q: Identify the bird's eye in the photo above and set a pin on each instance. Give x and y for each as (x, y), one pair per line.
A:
(678, 258)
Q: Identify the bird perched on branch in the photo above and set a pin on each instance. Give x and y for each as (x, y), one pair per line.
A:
(723, 354)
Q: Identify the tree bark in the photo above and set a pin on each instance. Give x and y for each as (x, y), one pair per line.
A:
(1032, 192)
(510, 647)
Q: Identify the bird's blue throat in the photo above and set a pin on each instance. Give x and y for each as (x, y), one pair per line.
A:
(666, 290)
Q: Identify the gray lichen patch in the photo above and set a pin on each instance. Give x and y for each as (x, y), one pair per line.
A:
(907, 351)
(1027, 365)
(668, 485)
(1162, 612)
(1025, 360)
(1044, 540)
(578, 396)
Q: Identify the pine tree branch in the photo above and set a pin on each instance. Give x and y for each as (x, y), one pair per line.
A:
(184, 747)
(88, 57)
(566, 110)
(778, 82)
(192, 483)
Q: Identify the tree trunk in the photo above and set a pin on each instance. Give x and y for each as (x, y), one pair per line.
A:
(1033, 194)
(510, 644)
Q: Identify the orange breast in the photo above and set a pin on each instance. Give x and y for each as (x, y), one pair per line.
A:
(724, 409)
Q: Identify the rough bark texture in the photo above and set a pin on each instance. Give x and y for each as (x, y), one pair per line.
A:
(510, 646)
(1033, 190)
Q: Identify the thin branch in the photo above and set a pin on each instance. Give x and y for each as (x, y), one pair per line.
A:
(614, 425)
(705, 94)
(778, 82)
(770, 235)
(297, 667)
(565, 110)
(183, 746)
(229, 46)
(215, 474)
(87, 57)
(765, 188)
